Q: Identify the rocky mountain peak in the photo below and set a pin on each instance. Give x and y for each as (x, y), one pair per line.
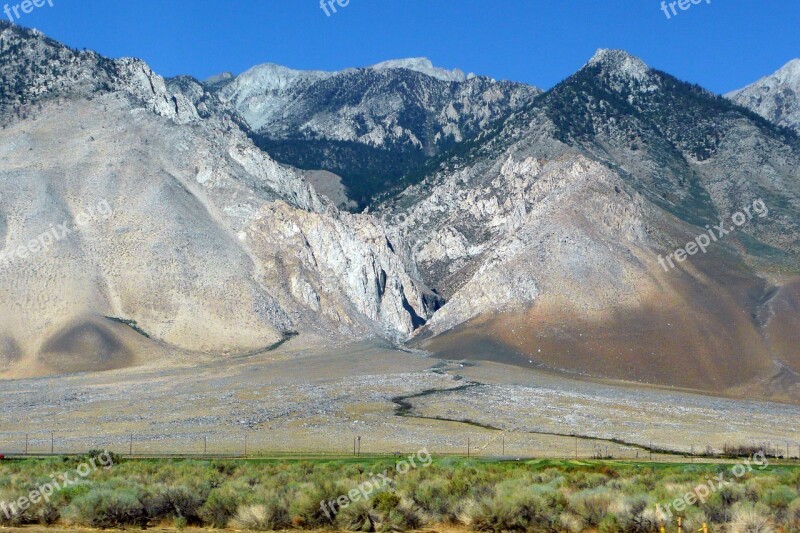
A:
(775, 97)
(790, 72)
(423, 65)
(219, 78)
(620, 64)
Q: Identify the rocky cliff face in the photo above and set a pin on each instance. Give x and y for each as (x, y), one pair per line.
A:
(198, 241)
(775, 97)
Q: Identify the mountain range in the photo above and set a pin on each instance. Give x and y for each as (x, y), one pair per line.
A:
(453, 213)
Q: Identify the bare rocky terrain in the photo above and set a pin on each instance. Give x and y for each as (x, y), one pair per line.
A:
(350, 390)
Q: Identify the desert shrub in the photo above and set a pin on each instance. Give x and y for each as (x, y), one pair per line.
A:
(591, 505)
(694, 520)
(780, 497)
(631, 514)
(551, 475)
(48, 513)
(305, 508)
(220, 506)
(11, 519)
(524, 496)
(93, 454)
(513, 512)
(269, 516)
(750, 519)
(718, 506)
(590, 480)
(610, 524)
(226, 468)
(357, 516)
(106, 508)
(434, 499)
(173, 502)
(792, 479)
(791, 520)
(570, 523)
(730, 494)
(716, 511)
(384, 502)
(403, 517)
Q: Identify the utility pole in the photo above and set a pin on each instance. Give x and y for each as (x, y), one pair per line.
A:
(130, 449)
(52, 442)
(359, 446)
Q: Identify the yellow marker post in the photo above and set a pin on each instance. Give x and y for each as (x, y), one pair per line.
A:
(660, 521)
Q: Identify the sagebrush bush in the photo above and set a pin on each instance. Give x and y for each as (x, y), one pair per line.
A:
(695, 518)
(780, 497)
(220, 506)
(591, 505)
(570, 523)
(509, 511)
(107, 508)
(791, 520)
(750, 519)
(172, 502)
(357, 516)
(270, 516)
(305, 507)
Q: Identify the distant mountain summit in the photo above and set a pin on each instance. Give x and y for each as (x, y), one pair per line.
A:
(219, 78)
(423, 65)
(775, 97)
(620, 63)
(379, 128)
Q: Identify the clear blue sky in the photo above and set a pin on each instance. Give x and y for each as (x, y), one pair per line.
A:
(721, 45)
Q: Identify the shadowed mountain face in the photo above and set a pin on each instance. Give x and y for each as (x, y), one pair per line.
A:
(547, 226)
(379, 128)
